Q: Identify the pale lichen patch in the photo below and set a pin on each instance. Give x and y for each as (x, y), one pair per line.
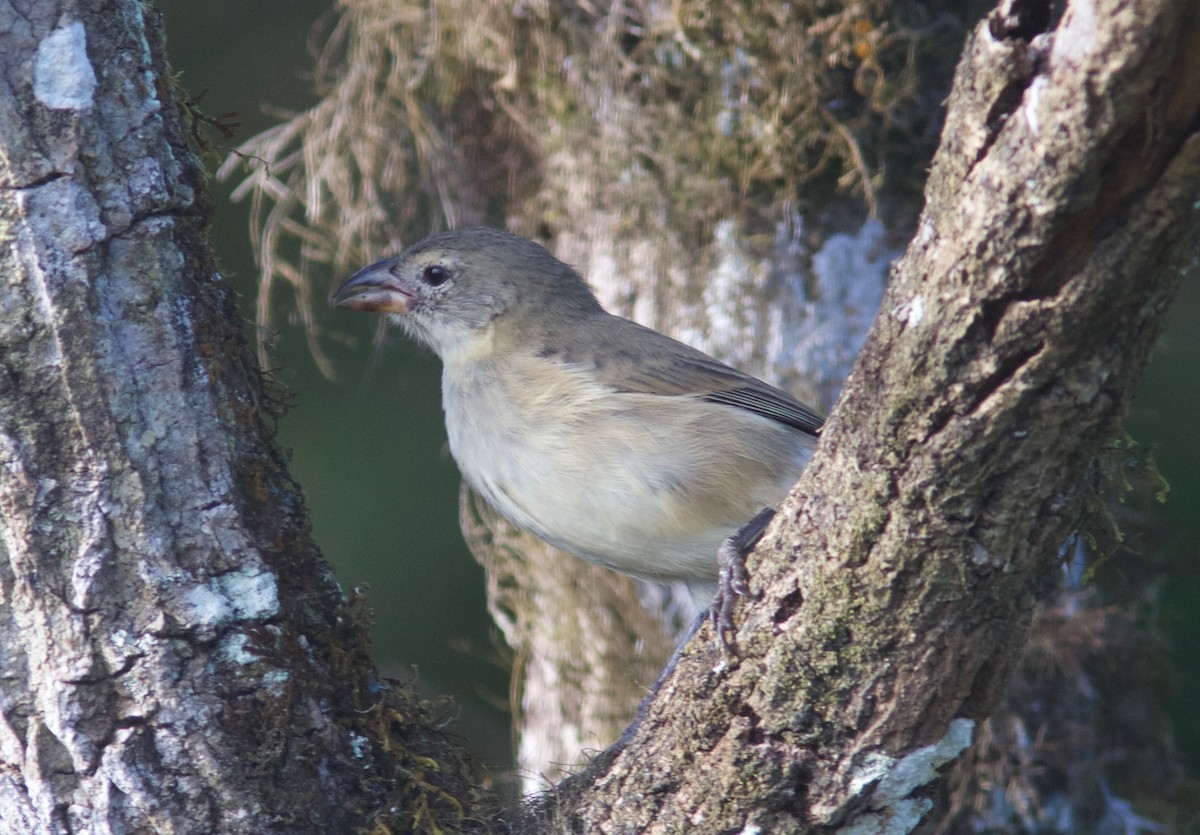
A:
(248, 594)
(251, 592)
(893, 811)
(205, 608)
(62, 75)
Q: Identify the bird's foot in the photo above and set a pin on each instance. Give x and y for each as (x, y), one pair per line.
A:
(732, 579)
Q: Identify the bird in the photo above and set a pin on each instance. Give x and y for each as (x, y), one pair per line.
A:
(605, 438)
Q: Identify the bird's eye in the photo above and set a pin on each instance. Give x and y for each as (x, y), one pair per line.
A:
(435, 275)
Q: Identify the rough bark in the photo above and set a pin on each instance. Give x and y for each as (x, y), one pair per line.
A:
(174, 656)
(898, 583)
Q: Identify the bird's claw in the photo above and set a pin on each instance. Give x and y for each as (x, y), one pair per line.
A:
(733, 581)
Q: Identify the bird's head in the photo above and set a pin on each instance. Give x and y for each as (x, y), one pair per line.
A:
(455, 291)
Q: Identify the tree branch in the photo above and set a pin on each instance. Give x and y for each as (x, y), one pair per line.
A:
(898, 582)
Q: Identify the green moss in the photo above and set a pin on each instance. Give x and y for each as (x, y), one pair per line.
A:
(1122, 471)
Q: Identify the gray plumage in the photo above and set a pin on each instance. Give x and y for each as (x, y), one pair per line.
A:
(603, 437)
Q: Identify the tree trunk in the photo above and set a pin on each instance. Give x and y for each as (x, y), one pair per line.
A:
(174, 655)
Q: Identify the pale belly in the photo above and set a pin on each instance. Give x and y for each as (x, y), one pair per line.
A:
(646, 485)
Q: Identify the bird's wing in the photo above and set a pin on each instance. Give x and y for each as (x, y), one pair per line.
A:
(629, 357)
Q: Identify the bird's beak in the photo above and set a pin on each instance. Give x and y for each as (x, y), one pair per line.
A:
(374, 288)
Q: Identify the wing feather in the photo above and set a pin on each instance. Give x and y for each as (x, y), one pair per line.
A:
(630, 357)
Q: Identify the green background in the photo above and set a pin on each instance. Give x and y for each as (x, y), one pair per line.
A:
(369, 447)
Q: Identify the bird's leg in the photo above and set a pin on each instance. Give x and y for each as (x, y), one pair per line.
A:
(732, 579)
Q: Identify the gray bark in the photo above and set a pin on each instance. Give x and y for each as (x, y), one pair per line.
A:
(174, 656)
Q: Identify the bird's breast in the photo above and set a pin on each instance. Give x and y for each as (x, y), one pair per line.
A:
(647, 484)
